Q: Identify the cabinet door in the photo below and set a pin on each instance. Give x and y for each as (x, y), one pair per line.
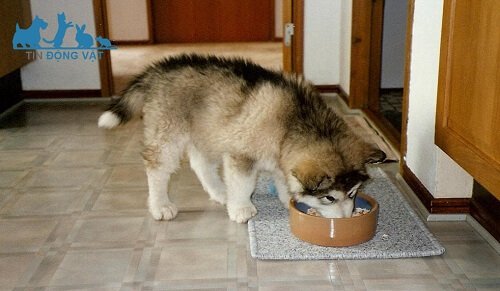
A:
(468, 109)
(10, 13)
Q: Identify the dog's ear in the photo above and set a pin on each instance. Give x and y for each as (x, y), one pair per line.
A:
(375, 156)
(311, 176)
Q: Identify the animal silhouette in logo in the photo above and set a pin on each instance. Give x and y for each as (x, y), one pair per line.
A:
(29, 37)
(61, 30)
(84, 39)
(105, 43)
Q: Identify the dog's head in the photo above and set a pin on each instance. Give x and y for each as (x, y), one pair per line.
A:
(327, 177)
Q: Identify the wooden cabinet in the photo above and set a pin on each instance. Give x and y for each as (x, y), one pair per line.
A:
(468, 109)
(10, 13)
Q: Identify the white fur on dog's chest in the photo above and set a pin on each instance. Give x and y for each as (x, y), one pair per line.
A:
(269, 165)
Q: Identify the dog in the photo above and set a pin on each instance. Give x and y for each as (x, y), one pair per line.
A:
(234, 114)
(29, 37)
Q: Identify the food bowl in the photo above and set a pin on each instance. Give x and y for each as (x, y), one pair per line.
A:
(334, 232)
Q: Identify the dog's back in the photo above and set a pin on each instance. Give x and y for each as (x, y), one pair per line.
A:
(228, 104)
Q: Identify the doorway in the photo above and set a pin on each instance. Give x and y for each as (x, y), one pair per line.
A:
(393, 62)
(134, 54)
(379, 33)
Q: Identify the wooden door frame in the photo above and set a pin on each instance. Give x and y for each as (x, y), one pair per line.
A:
(101, 27)
(366, 62)
(406, 84)
(293, 56)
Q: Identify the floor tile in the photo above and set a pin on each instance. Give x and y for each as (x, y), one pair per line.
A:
(477, 260)
(192, 263)
(55, 202)
(420, 283)
(13, 266)
(201, 225)
(9, 178)
(28, 142)
(114, 229)
(387, 268)
(127, 176)
(70, 177)
(23, 235)
(96, 142)
(19, 159)
(119, 200)
(92, 267)
(292, 270)
(78, 158)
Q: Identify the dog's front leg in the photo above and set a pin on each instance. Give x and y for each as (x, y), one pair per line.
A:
(240, 177)
(281, 187)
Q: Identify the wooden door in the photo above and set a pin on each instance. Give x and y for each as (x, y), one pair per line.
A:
(293, 53)
(213, 20)
(468, 109)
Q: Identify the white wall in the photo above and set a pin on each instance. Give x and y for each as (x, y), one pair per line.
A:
(437, 172)
(393, 43)
(65, 74)
(127, 20)
(327, 45)
(322, 41)
(345, 44)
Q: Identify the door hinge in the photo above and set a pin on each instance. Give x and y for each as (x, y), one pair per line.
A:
(289, 31)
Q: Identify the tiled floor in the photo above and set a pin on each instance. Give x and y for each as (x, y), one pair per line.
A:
(73, 216)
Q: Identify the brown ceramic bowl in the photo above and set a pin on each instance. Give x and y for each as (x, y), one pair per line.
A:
(334, 232)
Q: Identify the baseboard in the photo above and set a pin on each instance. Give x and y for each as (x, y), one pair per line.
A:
(132, 42)
(434, 205)
(327, 88)
(484, 208)
(51, 94)
(342, 93)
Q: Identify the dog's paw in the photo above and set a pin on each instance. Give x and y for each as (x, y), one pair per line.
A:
(285, 200)
(165, 212)
(242, 214)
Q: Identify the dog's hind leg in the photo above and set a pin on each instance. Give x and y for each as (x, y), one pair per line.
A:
(208, 174)
(161, 162)
(240, 176)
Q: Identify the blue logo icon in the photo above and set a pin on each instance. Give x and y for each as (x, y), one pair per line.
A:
(29, 37)
(36, 47)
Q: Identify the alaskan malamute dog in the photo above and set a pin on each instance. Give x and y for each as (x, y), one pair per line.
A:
(238, 115)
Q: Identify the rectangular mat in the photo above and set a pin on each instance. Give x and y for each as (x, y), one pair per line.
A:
(400, 232)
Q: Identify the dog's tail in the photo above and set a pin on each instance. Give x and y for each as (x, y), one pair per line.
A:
(124, 108)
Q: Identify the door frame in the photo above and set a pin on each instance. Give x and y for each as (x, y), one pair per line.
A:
(366, 59)
(293, 56)
(101, 27)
